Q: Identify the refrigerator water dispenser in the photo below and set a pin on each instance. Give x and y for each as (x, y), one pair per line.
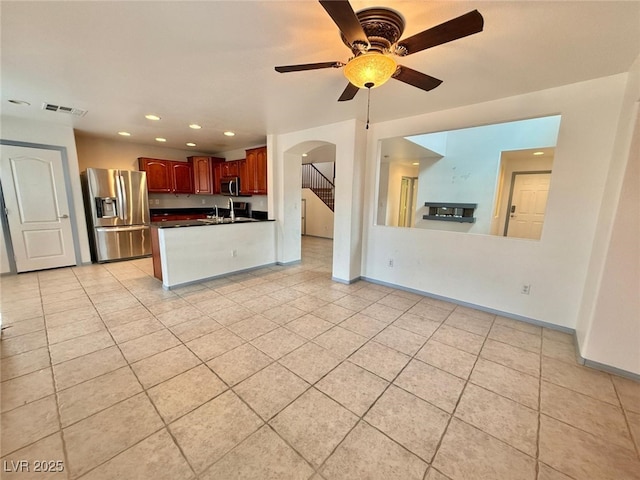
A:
(106, 207)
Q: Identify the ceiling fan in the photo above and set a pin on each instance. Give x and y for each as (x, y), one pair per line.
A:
(373, 36)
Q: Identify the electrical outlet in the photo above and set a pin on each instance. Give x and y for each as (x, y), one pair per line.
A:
(204, 202)
(390, 263)
(526, 289)
(234, 253)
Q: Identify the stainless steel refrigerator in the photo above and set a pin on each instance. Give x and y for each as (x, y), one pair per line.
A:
(117, 208)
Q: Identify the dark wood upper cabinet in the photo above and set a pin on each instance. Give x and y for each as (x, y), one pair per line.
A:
(167, 176)
(261, 171)
(182, 177)
(159, 174)
(254, 180)
(201, 175)
(206, 178)
(230, 169)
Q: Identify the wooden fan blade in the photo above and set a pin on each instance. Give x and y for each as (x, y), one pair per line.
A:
(308, 66)
(348, 93)
(345, 18)
(417, 79)
(459, 27)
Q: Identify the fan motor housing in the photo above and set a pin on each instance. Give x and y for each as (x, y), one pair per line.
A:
(383, 27)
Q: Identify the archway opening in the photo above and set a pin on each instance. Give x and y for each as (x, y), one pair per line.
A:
(309, 202)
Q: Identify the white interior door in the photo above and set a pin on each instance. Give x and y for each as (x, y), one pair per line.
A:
(528, 205)
(37, 205)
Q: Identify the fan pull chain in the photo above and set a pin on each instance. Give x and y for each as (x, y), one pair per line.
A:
(368, 85)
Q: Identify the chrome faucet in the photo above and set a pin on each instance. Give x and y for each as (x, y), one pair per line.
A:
(232, 214)
(216, 207)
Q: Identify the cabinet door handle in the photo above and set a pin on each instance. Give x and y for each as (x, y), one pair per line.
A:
(64, 216)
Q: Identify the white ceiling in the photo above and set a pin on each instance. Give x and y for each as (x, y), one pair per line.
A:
(211, 62)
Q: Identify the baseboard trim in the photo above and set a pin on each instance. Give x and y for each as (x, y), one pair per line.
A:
(609, 369)
(288, 264)
(346, 282)
(216, 277)
(532, 321)
(493, 311)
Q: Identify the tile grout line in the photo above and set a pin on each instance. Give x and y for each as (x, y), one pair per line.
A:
(266, 422)
(361, 417)
(540, 356)
(65, 454)
(229, 388)
(452, 414)
(128, 365)
(162, 419)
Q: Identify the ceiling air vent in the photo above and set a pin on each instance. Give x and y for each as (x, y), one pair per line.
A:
(57, 108)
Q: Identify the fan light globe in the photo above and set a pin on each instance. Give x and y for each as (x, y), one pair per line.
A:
(370, 68)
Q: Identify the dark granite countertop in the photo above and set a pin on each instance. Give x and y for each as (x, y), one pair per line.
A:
(223, 212)
(204, 222)
(180, 211)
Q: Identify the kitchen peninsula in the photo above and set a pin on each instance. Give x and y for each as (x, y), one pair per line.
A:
(189, 251)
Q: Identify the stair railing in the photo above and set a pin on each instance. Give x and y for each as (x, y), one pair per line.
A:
(313, 179)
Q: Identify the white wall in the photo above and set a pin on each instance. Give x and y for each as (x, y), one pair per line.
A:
(16, 129)
(192, 254)
(326, 169)
(383, 193)
(489, 271)
(236, 154)
(319, 217)
(608, 328)
(167, 200)
(349, 137)
(98, 152)
(614, 336)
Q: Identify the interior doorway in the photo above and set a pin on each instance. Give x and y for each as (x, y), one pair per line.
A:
(38, 212)
(408, 200)
(527, 204)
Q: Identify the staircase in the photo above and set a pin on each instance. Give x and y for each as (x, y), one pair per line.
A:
(314, 180)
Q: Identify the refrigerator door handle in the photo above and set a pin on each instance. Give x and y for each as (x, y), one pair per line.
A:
(123, 197)
(119, 195)
(133, 228)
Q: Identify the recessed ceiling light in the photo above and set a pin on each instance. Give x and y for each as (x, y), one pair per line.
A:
(538, 153)
(304, 155)
(160, 139)
(195, 126)
(20, 102)
(124, 134)
(151, 116)
(229, 133)
(191, 144)
(415, 163)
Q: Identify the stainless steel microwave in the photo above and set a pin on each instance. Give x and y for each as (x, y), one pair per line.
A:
(230, 186)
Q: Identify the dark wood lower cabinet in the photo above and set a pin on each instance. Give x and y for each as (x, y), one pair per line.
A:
(155, 253)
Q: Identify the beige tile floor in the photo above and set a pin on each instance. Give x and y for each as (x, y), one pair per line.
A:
(281, 373)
